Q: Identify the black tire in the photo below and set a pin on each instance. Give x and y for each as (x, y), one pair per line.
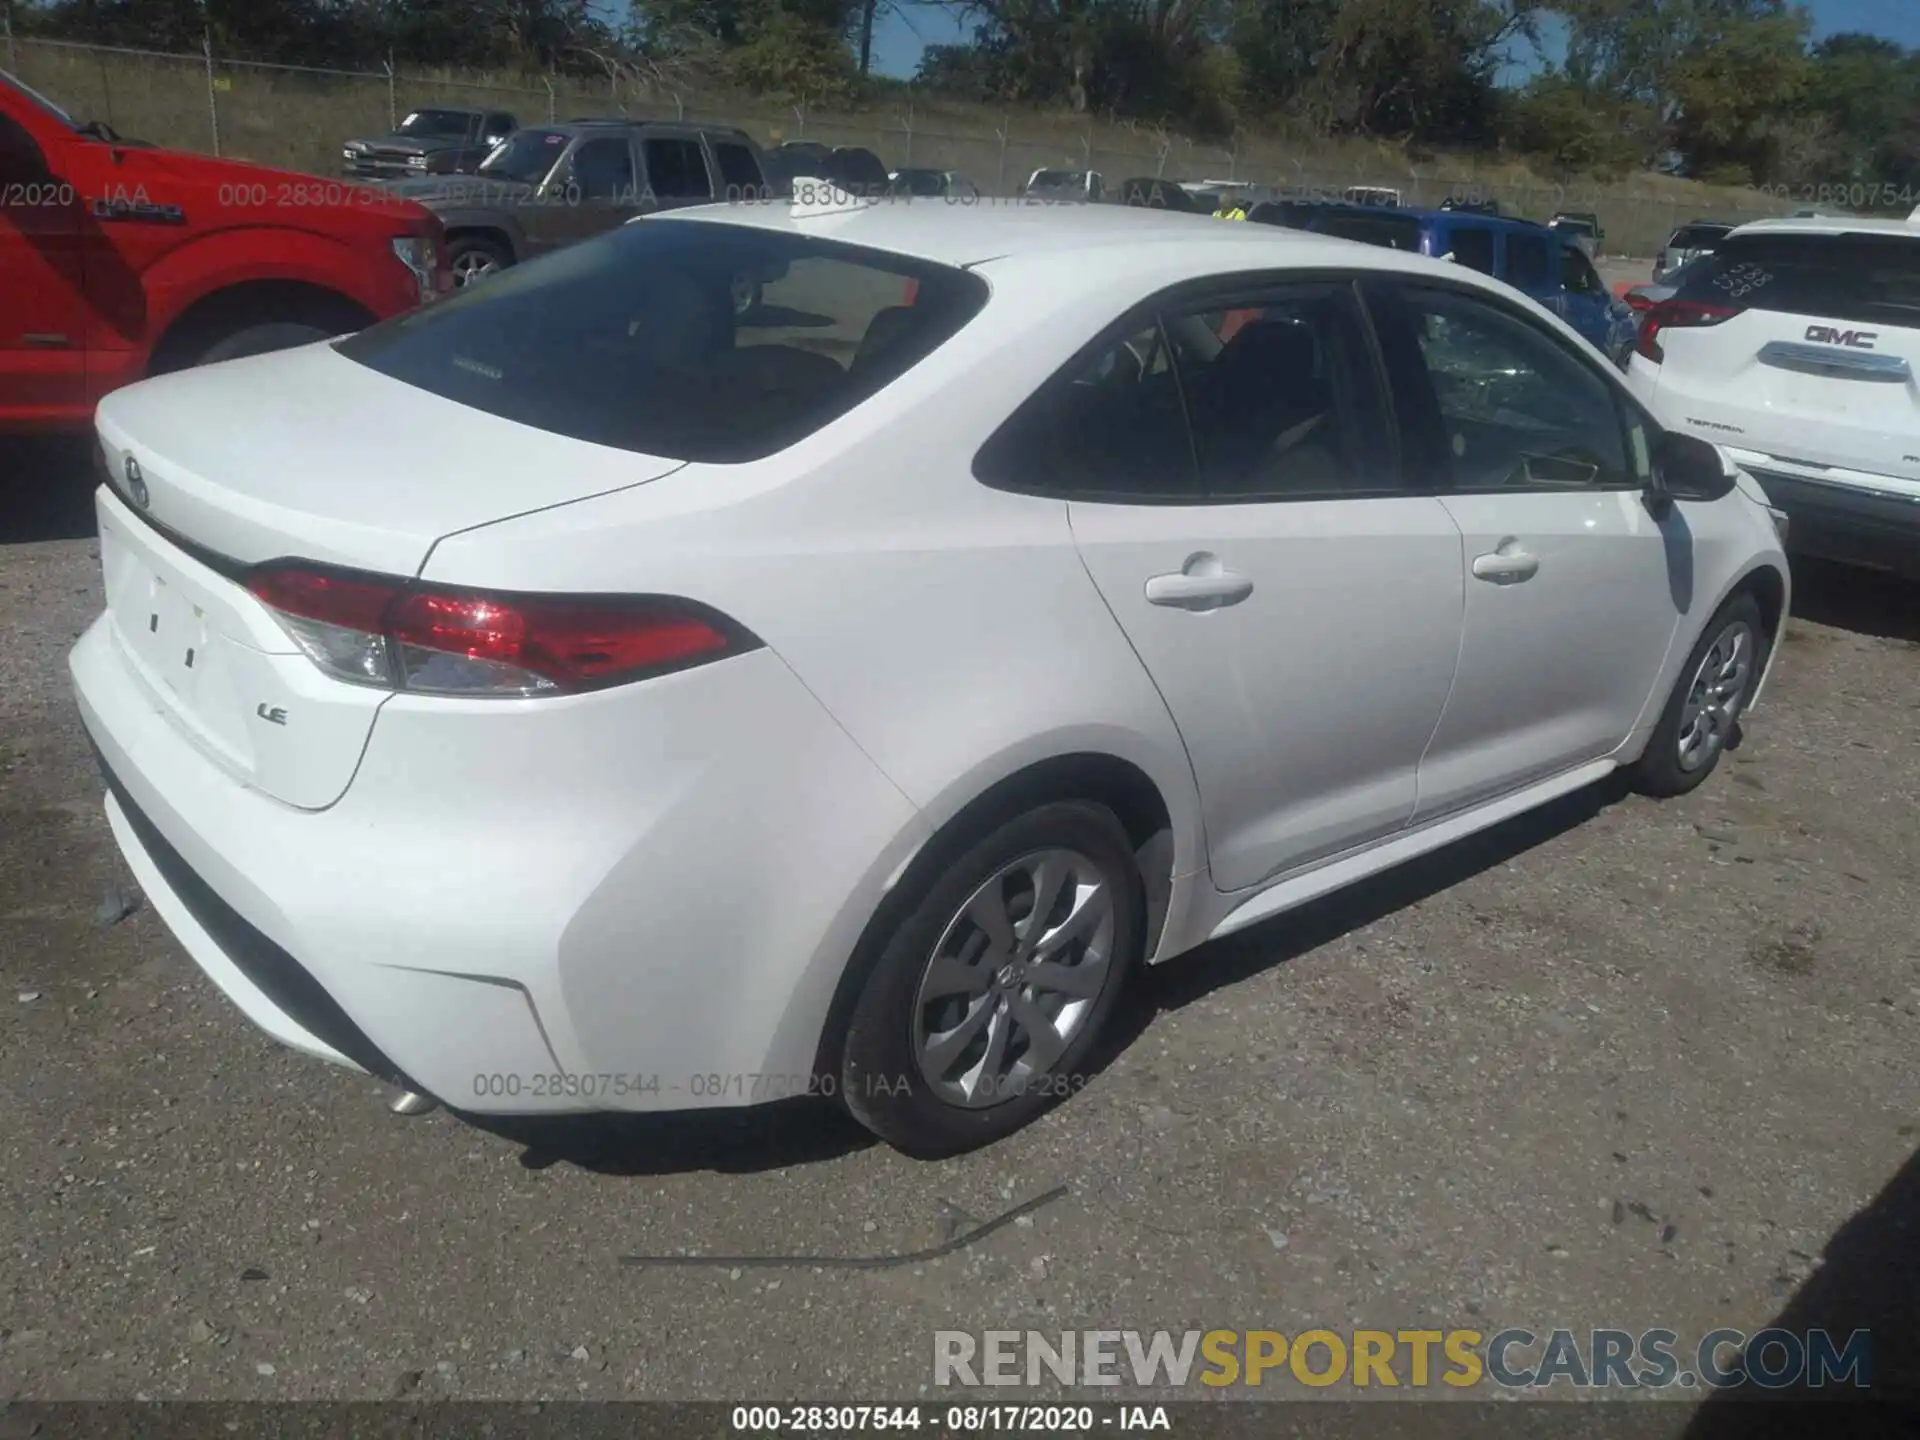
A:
(1659, 770)
(262, 339)
(880, 1079)
(466, 250)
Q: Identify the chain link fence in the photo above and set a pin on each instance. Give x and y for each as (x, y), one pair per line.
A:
(296, 117)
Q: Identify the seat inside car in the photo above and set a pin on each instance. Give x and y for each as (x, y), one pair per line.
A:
(1264, 412)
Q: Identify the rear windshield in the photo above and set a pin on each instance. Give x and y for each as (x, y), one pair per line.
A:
(1697, 237)
(648, 339)
(1868, 278)
(1396, 232)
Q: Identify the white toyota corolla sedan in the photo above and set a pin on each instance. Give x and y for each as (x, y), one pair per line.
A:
(577, 695)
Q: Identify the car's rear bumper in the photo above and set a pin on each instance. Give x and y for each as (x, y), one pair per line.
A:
(1857, 526)
(518, 910)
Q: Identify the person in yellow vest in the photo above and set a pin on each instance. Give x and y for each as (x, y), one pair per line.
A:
(1232, 207)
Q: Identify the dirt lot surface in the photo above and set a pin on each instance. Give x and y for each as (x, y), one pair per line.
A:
(1623, 1063)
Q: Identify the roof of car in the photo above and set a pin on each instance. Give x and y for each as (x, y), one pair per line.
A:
(1102, 241)
(1828, 225)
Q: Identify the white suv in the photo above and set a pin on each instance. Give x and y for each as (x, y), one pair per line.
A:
(1794, 346)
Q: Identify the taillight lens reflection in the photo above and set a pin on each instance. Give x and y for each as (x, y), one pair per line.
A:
(372, 630)
(1676, 315)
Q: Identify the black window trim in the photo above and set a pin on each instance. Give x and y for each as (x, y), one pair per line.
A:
(1235, 291)
(1616, 387)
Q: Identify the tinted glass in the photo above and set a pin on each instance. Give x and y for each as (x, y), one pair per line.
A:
(676, 170)
(435, 122)
(527, 155)
(1514, 408)
(1282, 403)
(739, 171)
(1395, 232)
(631, 339)
(1697, 237)
(20, 157)
(858, 171)
(603, 169)
(1112, 428)
(499, 124)
(925, 183)
(1530, 261)
(1577, 274)
(1870, 279)
(1471, 246)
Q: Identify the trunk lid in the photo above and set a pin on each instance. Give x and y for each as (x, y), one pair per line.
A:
(305, 455)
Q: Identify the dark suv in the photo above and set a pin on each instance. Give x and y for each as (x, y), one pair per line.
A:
(437, 141)
(552, 185)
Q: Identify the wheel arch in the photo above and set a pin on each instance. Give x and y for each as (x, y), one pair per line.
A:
(494, 232)
(1137, 800)
(252, 302)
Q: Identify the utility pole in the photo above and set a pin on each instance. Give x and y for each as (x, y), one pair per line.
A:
(866, 35)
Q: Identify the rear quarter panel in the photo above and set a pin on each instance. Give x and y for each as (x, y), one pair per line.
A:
(952, 629)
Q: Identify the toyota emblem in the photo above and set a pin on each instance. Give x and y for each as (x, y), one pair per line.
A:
(136, 483)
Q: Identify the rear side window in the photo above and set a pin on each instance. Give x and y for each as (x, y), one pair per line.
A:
(603, 169)
(676, 170)
(636, 339)
(1394, 232)
(1851, 278)
(1472, 246)
(1267, 399)
(739, 171)
(1529, 261)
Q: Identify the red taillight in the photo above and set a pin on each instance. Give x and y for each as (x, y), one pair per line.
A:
(1638, 302)
(1677, 315)
(375, 631)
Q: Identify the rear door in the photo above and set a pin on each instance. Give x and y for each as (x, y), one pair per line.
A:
(1298, 609)
(1805, 348)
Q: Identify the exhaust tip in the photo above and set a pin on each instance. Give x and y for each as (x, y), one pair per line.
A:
(412, 1102)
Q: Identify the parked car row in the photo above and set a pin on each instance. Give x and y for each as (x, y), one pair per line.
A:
(1542, 262)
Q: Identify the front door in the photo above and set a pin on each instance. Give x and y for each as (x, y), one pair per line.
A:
(1241, 512)
(43, 305)
(1573, 589)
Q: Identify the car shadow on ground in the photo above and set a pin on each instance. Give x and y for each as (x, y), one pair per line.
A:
(1868, 1279)
(1229, 961)
(1867, 602)
(46, 489)
(814, 1129)
(804, 1130)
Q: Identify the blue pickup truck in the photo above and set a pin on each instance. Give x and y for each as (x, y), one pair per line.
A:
(1536, 261)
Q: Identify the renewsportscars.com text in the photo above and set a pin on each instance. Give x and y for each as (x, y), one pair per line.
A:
(1513, 1359)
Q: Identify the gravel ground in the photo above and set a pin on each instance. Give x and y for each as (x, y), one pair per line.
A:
(1622, 1063)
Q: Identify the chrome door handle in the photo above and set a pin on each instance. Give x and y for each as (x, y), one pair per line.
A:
(1198, 592)
(1508, 568)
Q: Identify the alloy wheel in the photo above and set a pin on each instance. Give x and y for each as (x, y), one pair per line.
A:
(1714, 696)
(1014, 977)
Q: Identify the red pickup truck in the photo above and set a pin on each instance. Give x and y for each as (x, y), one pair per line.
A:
(120, 260)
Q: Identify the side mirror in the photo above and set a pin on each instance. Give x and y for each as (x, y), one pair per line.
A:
(1685, 468)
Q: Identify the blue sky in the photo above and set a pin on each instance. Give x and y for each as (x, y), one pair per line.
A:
(900, 35)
